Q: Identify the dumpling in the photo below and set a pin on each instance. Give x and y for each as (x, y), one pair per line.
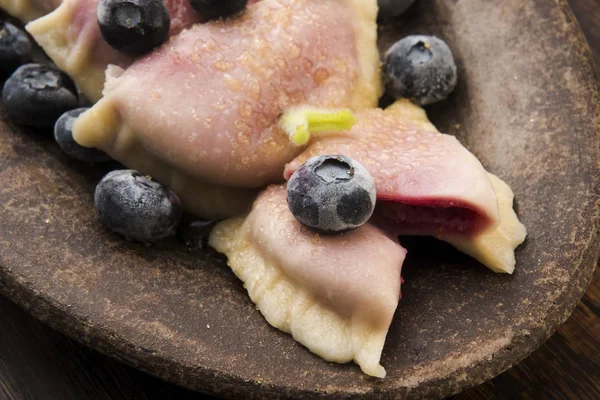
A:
(336, 294)
(71, 37)
(430, 180)
(208, 104)
(428, 184)
(28, 10)
(494, 248)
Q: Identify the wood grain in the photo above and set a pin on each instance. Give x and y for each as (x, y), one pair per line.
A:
(38, 363)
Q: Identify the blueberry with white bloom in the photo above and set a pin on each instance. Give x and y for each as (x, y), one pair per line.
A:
(38, 94)
(420, 68)
(133, 26)
(331, 194)
(137, 207)
(15, 48)
(63, 134)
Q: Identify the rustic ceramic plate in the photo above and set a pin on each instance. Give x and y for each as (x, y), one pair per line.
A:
(527, 105)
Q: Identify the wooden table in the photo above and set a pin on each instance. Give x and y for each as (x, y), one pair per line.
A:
(38, 363)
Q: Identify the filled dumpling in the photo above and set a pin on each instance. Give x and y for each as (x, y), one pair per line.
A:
(336, 294)
(71, 37)
(207, 105)
(428, 184)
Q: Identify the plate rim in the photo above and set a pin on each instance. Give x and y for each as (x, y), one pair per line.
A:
(118, 348)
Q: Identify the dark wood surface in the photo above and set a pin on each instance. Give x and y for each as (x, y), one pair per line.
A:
(38, 363)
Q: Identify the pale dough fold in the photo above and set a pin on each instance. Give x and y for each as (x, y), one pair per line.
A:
(336, 294)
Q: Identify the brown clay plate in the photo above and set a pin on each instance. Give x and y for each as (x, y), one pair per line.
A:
(527, 105)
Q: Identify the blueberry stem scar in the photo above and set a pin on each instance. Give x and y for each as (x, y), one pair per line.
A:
(300, 122)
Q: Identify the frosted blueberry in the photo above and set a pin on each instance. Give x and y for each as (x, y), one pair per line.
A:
(420, 68)
(136, 206)
(331, 194)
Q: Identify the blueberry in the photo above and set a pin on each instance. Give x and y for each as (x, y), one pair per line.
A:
(215, 9)
(194, 233)
(420, 68)
(63, 133)
(15, 48)
(137, 207)
(133, 26)
(393, 8)
(331, 194)
(36, 95)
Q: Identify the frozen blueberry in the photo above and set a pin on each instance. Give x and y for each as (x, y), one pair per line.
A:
(420, 68)
(15, 48)
(393, 8)
(194, 233)
(36, 95)
(133, 26)
(215, 9)
(63, 133)
(136, 206)
(331, 194)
